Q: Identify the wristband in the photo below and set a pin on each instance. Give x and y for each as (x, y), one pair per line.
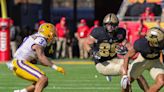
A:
(54, 67)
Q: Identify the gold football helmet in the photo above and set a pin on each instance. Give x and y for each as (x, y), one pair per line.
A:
(112, 19)
(155, 36)
(48, 31)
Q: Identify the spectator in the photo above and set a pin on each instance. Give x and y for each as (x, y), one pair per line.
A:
(128, 30)
(62, 30)
(38, 24)
(13, 34)
(162, 6)
(69, 45)
(158, 22)
(81, 35)
(147, 15)
(96, 24)
(140, 31)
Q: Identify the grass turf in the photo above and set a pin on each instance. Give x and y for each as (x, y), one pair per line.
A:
(78, 78)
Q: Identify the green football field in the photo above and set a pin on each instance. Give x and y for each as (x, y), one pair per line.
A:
(80, 77)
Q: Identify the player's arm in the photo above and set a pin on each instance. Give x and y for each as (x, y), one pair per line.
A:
(161, 57)
(44, 60)
(89, 42)
(124, 80)
(131, 52)
(41, 56)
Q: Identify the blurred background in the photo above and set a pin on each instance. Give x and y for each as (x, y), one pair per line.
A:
(27, 15)
(74, 20)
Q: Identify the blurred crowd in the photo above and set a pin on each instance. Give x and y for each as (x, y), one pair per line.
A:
(63, 45)
(66, 45)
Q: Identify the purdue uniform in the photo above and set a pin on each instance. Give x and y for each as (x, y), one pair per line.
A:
(106, 46)
(150, 58)
(147, 60)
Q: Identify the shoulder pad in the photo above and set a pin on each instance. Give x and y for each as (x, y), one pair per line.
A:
(121, 34)
(41, 41)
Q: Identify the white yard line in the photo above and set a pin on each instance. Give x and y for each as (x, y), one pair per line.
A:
(73, 88)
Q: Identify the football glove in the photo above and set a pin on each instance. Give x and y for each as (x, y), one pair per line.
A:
(95, 54)
(122, 50)
(61, 70)
(124, 81)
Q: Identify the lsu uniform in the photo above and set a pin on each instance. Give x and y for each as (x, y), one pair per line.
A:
(106, 46)
(24, 54)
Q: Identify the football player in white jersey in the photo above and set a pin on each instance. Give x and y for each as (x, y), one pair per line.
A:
(33, 48)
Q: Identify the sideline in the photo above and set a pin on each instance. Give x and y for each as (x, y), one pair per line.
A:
(73, 62)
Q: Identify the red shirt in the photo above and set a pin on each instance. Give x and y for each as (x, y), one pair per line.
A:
(82, 31)
(128, 30)
(61, 31)
(134, 33)
(147, 17)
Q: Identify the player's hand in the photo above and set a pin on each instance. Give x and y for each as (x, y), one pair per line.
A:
(95, 54)
(125, 81)
(51, 50)
(122, 50)
(61, 70)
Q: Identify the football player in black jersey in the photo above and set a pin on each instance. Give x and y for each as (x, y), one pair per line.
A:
(150, 49)
(102, 43)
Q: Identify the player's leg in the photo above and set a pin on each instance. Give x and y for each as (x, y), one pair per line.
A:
(63, 52)
(30, 88)
(29, 72)
(142, 83)
(58, 47)
(157, 73)
(110, 68)
(159, 83)
(41, 83)
(42, 79)
(135, 71)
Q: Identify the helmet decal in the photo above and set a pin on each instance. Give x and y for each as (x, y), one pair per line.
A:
(48, 31)
(155, 36)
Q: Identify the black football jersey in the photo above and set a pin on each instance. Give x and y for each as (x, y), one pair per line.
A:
(141, 45)
(107, 42)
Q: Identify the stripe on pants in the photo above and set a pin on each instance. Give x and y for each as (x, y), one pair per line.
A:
(29, 69)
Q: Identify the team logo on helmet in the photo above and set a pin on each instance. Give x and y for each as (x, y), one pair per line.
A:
(111, 19)
(155, 36)
(48, 31)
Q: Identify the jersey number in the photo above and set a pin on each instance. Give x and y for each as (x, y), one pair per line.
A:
(41, 42)
(106, 49)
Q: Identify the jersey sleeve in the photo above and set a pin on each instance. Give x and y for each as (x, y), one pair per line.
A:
(137, 45)
(121, 34)
(96, 32)
(161, 45)
(41, 41)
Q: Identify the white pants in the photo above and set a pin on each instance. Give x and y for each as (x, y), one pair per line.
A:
(110, 67)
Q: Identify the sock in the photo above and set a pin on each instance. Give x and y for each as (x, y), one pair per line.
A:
(16, 90)
(23, 90)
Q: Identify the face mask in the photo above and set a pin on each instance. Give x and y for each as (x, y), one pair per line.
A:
(110, 27)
